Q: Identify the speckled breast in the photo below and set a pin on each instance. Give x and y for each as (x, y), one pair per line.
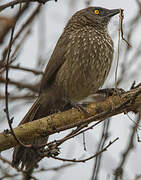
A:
(87, 63)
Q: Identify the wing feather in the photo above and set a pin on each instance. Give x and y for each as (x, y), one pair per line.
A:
(56, 60)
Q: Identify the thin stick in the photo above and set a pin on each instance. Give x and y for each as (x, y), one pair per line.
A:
(89, 158)
(121, 29)
(6, 90)
(119, 33)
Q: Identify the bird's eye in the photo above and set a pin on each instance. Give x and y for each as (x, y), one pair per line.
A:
(96, 11)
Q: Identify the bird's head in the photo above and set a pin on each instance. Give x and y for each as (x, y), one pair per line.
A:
(94, 16)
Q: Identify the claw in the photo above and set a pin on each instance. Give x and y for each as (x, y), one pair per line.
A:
(111, 91)
(78, 106)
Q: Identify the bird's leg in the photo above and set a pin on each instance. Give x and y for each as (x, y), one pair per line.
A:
(76, 105)
(111, 91)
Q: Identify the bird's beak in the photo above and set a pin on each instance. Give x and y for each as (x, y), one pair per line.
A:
(113, 12)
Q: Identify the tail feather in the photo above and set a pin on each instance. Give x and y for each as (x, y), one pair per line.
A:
(30, 116)
(27, 157)
(47, 103)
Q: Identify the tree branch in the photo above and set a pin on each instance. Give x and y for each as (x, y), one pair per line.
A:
(98, 111)
(13, 3)
(20, 85)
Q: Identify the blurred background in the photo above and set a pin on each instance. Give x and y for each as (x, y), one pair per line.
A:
(38, 27)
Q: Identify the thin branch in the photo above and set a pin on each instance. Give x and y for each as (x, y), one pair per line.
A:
(117, 61)
(28, 21)
(14, 19)
(57, 168)
(119, 170)
(18, 46)
(10, 120)
(87, 159)
(121, 28)
(4, 160)
(20, 85)
(18, 97)
(13, 3)
(104, 136)
(6, 88)
(18, 67)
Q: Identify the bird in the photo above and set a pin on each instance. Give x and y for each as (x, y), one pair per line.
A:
(77, 68)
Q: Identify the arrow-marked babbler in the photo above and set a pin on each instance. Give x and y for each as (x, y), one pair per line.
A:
(78, 67)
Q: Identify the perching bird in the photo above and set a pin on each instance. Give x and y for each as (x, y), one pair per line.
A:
(78, 67)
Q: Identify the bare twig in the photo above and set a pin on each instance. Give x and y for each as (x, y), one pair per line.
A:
(6, 88)
(84, 142)
(121, 28)
(18, 97)
(18, 46)
(4, 160)
(87, 159)
(13, 3)
(14, 19)
(57, 168)
(34, 71)
(20, 85)
(29, 21)
(104, 137)
(125, 154)
(117, 62)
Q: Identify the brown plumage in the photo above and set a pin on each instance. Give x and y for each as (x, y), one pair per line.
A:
(77, 68)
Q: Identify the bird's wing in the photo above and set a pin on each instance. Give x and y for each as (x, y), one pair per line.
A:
(32, 112)
(56, 60)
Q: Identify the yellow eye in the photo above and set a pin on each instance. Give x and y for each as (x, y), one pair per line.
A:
(96, 11)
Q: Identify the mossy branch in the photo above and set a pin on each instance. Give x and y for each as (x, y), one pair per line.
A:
(112, 105)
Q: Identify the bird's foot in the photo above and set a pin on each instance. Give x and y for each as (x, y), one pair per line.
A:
(111, 91)
(78, 106)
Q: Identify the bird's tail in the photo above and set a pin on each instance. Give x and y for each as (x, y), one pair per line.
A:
(27, 157)
(46, 104)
